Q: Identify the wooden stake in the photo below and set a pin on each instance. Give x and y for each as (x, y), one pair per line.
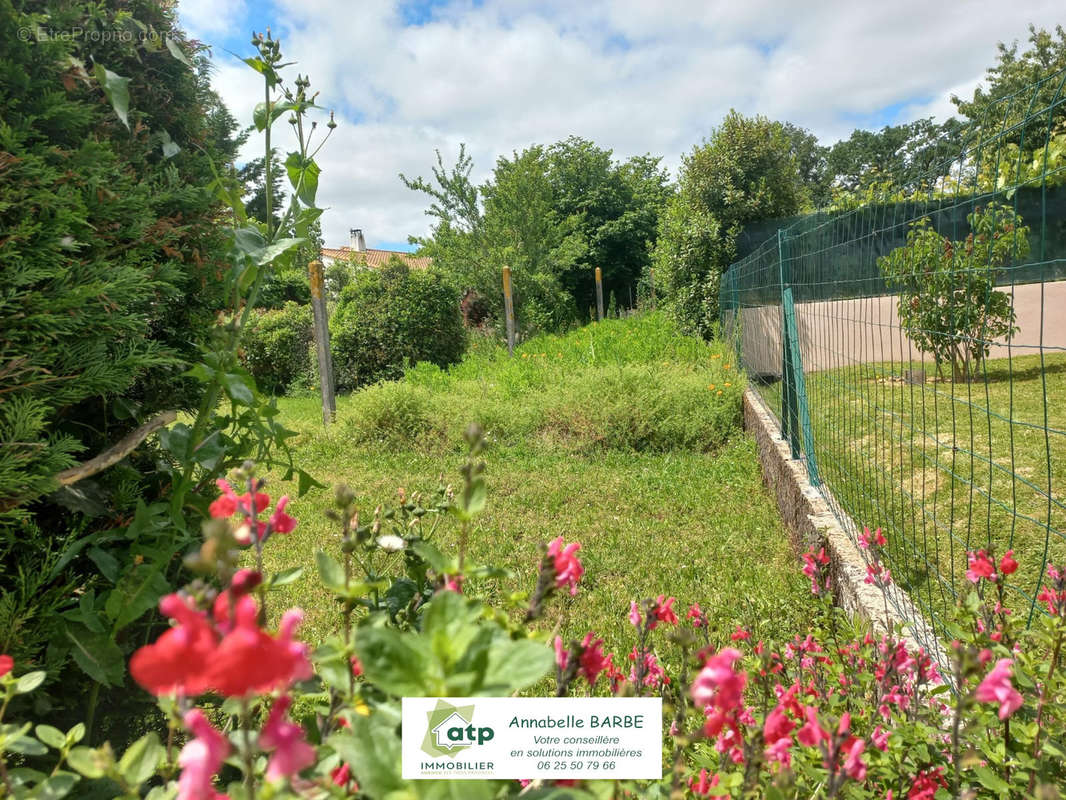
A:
(508, 309)
(321, 331)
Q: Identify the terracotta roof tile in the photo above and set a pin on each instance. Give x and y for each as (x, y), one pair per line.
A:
(377, 258)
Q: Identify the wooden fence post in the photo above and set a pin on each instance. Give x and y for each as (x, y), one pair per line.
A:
(599, 295)
(651, 280)
(508, 309)
(321, 331)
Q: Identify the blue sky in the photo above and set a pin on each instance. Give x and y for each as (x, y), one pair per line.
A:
(635, 76)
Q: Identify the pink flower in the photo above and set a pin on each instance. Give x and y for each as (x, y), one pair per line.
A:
(813, 566)
(812, 731)
(342, 776)
(926, 783)
(880, 738)
(695, 613)
(562, 656)
(664, 611)
(981, 566)
(866, 539)
(997, 688)
(292, 753)
(702, 786)
(226, 504)
(180, 659)
(280, 522)
(854, 766)
(718, 683)
(1007, 564)
(200, 758)
(593, 661)
(453, 583)
(634, 613)
(654, 674)
(568, 569)
(7, 663)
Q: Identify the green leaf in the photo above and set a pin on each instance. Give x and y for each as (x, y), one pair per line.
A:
(53, 737)
(429, 553)
(97, 654)
(237, 389)
(285, 577)
(26, 745)
(399, 595)
(210, 451)
(55, 786)
(117, 90)
(86, 761)
(373, 751)
(469, 790)
(30, 681)
(514, 665)
(141, 759)
(175, 440)
(259, 115)
(306, 483)
(472, 498)
(398, 664)
(331, 573)
(135, 595)
(175, 51)
(990, 780)
(303, 175)
(268, 254)
(105, 562)
(76, 734)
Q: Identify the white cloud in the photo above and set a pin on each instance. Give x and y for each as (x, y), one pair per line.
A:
(203, 18)
(631, 75)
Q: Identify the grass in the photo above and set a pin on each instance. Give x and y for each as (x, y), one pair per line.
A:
(948, 467)
(624, 436)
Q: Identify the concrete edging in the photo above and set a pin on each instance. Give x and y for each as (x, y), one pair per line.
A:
(811, 520)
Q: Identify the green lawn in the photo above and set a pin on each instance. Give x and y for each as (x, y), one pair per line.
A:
(948, 467)
(623, 436)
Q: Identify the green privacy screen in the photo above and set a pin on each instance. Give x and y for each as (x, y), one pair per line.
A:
(913, 349)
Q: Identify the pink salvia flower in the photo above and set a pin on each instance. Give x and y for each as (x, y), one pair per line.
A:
(226, 504)
(664, 611)
(562, 656)
(634, 613)
(1007, 564)
(695, 613)
(981, 566)
(718, 683)
(593, 661)
(280, 522)
(200, 758)
(568, 570)
(812, 731)
(854, 766)
(997, 688)
(291, 753)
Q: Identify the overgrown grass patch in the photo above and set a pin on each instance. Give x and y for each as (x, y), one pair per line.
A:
(624, 436)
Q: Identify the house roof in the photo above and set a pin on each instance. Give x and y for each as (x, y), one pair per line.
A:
(377, 258)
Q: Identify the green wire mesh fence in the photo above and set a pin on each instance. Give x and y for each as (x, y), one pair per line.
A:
(913, 349)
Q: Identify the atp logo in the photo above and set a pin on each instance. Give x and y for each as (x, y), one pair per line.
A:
(450, 730)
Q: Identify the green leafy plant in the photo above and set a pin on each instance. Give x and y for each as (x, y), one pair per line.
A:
(948, 304)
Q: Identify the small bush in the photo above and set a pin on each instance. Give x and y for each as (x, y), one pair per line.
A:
(392, 413)
(278, 348)
(389, 320)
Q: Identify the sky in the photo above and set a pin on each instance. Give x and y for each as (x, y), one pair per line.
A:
(634, 76)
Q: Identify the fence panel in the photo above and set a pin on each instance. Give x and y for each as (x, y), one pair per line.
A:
(913, 349)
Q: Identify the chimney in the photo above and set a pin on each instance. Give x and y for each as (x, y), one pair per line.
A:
(356, 242)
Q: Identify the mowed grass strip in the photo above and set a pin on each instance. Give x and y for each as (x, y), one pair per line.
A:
(624, 436)
(947, 466)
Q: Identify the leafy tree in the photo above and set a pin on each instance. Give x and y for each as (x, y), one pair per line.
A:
(552, 214)
(812, 163)
(904, 158)
(948, 304)
(744, 172)
(1012, 75)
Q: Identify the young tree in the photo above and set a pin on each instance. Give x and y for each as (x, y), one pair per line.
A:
(948, 304)
(745, 171)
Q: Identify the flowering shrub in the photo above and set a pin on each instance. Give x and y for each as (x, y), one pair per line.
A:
(835, 711)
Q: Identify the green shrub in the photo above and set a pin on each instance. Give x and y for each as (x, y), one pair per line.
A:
(388, 320)
(392, 413)
(279, 348)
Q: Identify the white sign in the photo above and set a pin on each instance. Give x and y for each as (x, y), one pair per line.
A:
(532, 737)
